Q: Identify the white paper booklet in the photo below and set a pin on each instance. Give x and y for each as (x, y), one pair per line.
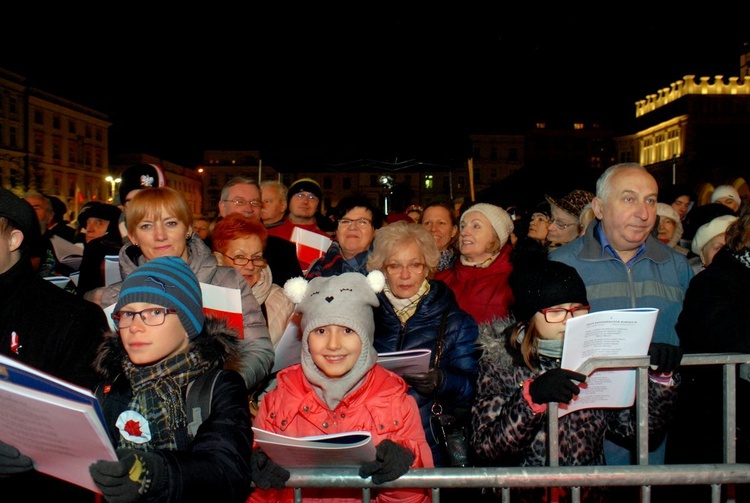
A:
(409, 361)
(55, 423)
(351, 448)
(616, 333)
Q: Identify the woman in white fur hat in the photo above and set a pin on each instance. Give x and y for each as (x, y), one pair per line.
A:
(479, 278)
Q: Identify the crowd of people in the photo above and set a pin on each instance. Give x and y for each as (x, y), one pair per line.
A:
(487, 289)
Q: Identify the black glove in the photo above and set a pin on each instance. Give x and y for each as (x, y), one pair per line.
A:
(555, 385)
(425, 383)
(666, 357)
(127, 480)
(391, 461)
(12, 461)
(266, 473)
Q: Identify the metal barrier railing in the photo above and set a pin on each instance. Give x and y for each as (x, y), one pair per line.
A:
(642, 474)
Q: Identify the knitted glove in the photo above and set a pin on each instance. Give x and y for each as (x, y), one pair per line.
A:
(127, 480)
(555, 385)
(12, 461)
(665, 357)
(425, 383)
(266, 473)
(391, 461)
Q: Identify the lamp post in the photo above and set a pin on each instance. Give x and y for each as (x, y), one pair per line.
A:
(112, 182)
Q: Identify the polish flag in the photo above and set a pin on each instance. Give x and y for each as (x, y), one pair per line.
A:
(310, 246)
(226, 303)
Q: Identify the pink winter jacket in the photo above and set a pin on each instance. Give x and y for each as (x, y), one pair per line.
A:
(380, 405)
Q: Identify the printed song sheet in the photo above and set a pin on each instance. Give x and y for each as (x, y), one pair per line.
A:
(615, 333)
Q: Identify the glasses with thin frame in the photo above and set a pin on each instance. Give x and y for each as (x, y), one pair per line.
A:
(558, 314)
(244, 202)
(360, 222)
(415, 268)
(153, 316)
(302, 195)
(243, 260)
(560, 224)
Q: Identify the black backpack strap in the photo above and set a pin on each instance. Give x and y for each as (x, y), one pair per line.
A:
(198, 398)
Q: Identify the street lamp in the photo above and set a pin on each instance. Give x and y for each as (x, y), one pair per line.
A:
(112, 182)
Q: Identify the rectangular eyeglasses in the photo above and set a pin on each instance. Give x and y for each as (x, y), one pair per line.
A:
(153, 316)
(558, 314)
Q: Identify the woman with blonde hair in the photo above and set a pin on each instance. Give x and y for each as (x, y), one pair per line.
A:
(160, 224)
(412, 310)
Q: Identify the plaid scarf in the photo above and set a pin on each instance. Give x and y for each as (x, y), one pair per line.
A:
(157, 396)
(405, 308)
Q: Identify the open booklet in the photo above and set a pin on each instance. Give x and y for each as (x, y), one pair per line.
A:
(615, 333)
(55, 423)
(351, 448)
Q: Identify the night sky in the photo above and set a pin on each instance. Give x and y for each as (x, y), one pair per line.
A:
(324, 84)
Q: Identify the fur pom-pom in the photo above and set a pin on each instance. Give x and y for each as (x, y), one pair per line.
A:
(376, 280)
(295, 289)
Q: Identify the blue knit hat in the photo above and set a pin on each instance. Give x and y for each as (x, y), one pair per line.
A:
(167, 282)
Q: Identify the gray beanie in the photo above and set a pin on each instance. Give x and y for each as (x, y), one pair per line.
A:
(498, 217)
(167, 282)
(347, 300)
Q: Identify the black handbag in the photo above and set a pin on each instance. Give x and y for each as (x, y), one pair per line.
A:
(452, 431)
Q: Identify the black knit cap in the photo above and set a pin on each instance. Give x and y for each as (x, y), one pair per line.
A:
(304, 185)
(540, 284)
(98, 209)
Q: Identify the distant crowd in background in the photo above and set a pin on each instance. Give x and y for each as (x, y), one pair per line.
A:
(488, 288)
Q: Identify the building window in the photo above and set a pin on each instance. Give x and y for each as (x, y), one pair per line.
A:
(407, 180)
(56, 149)
(374, 181)
(541, 125)
(346, 183)
(493, 154)
(513, 154)
(56, 122)
(327, 182)
(476, 153)
(13, 106)
(578, 125)
(38, 117)
(71, 127)
(13, 136)
(38, 144)
(461, 182)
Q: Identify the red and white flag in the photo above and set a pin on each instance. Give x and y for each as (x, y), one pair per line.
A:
(226, 303)
(310, 246)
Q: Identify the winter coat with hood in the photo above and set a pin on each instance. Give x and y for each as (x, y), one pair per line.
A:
(458, 361)
(214, 464)
(379, 405)
(507, 432)
(258, 351)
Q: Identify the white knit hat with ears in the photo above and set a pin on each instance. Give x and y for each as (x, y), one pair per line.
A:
(498, 217)
(347, 300)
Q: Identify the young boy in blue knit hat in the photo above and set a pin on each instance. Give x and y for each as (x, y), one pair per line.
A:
(163, 343)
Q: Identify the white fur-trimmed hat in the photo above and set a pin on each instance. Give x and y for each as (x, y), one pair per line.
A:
(498, 217)
(726, 191)
(707, 232)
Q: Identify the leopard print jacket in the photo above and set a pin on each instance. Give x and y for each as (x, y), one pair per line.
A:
(506, 432)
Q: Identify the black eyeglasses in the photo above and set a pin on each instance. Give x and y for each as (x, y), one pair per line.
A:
(560, 224)
(153, 316)
(302, 195)
(360, 222)
(242, 202)
(242, 260)
(558, 314)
